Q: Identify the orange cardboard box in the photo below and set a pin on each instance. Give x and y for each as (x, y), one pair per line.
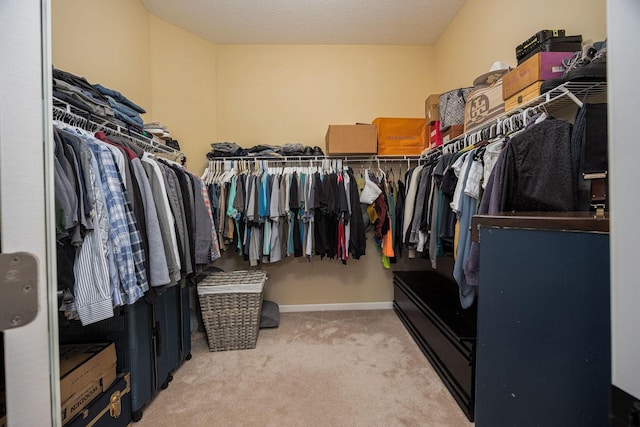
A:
(400, 136)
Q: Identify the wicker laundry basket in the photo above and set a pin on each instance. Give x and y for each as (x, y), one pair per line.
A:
(230, 303)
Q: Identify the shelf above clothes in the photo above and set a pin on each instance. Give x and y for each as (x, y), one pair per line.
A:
(557, 99)
(69, 114)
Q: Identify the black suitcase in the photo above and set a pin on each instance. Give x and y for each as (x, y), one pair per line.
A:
(167, 323)
(185, 307)
(556, 44)
(532, 42)
(110, 409)
(133, 331)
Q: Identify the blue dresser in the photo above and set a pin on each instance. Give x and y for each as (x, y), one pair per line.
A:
(543, 350)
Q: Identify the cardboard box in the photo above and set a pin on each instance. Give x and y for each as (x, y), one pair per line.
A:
(451, 132)
(541, 66)
(431, 111)
(400, 136)
(351, 139)
(86, 370)
(522, 97)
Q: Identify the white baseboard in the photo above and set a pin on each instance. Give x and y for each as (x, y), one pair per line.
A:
(383, 305)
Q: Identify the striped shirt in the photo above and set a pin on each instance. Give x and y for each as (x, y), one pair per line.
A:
(103, 223)
(91, 271)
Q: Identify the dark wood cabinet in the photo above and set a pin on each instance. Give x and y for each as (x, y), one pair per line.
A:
(428, 305)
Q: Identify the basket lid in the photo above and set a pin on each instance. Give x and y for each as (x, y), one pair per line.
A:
(233, 282)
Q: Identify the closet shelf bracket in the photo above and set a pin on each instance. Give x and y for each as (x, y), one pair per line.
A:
(571, 96)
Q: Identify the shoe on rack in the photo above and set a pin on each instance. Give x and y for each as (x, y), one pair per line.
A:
(317, 151)
(550, 84)
(595, 69)
(579, 60)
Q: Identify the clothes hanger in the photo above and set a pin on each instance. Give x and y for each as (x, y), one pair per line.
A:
(506, 127)
(498, 128)
(380, 173)
(218, 171)
(390, 175)
(205, 174)
(513, 122)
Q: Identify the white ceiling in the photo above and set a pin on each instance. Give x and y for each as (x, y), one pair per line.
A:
(382, 22)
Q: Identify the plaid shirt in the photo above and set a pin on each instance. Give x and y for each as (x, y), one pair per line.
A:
(137, 245)
(119, 232)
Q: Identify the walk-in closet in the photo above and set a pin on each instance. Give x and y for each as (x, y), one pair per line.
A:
(318, 214)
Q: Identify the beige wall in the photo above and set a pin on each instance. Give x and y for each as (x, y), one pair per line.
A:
(279, 94)
(270, 94)
(485, 31)
(106, 42)
(183, 81)
(164, 69)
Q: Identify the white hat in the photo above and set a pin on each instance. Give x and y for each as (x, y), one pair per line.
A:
(495, 72)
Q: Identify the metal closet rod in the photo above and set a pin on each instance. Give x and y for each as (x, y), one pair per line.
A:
(346, 158)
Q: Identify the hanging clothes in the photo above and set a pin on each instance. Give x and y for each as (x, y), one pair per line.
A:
(116, 222)
(466, 208)
(357, 237)
(493, 187)
(538, 172)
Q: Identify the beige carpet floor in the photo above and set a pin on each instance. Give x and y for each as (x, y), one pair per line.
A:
(340, 368)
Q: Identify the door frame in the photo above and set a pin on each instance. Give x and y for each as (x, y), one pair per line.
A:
(27, 215)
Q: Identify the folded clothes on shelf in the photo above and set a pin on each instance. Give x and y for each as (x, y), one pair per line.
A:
(123, 110)
(81, 98)
(97, 100)
(119, 97)
(158, 130)
(231, 149)
(226, 149)
(155, 125)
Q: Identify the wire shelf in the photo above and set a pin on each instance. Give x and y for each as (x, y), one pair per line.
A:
(76, 116)
(566, 95)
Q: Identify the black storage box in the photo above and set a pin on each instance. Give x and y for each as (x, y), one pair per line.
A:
(555, 44)
(110, 409)
(532, 42)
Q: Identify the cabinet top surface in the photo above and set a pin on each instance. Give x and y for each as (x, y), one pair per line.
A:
(561, 221)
